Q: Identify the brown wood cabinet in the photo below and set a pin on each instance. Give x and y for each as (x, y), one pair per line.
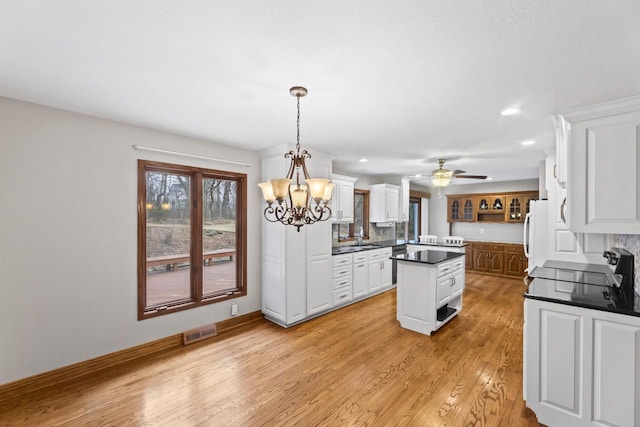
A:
(506, 207)
(488, 257)
(503, 259)
(461, 209)
(468, 257)
(514, 261)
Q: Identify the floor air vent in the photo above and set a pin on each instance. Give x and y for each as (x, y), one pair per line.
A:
(199, 334)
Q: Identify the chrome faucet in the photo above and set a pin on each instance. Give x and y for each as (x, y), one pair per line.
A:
(359, 236)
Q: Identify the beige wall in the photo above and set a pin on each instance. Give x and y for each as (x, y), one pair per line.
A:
(68, 246)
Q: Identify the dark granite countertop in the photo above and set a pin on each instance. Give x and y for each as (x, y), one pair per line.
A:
(581, 285)
(597, 297)
(348, 249)
(428, 257)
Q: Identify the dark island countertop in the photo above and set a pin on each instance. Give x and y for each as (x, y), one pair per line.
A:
(428, 257)
(440, 244)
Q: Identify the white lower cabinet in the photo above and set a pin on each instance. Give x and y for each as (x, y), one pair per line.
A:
(342, 279)
(360, 275)
(380, 269)
(581, 366)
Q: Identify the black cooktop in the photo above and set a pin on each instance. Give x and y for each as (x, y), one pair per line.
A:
(602, 287)
(575, 276)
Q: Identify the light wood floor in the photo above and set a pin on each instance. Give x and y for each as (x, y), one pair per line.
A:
(355, 366)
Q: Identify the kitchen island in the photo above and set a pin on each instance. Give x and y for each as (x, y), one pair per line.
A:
(430, 285)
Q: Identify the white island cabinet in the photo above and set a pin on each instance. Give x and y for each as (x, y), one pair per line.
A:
(430, 285)
(581, 366)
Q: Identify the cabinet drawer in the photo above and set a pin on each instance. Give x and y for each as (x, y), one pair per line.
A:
(489, 246)
(342, 296)
(514, 248)
(342, 271)
(360, 257)
(341, 282)
(457, 264)
(377, 254)
(445, 269)
(344, 259)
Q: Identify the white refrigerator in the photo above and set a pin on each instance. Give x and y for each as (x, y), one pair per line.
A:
(535, 233)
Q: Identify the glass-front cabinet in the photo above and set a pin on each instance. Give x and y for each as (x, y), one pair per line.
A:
(505, 207)
(461, 209)
(518, 206)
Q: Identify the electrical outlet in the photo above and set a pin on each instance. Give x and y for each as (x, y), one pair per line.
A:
(234, 309)
(482, 231)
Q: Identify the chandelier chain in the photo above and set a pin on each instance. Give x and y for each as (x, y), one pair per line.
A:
(298, 124)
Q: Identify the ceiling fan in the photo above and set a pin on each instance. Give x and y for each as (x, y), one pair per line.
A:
(443, 173)
(441, 177)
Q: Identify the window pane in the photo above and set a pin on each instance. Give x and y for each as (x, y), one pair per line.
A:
(219, 235)
(168, 241)
(343, 230)
(358, 212)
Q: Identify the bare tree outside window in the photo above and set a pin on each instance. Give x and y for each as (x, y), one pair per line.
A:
(192, 237)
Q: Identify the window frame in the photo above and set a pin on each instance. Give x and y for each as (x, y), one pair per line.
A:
(365, 217)
(418, 201)
(196, 299)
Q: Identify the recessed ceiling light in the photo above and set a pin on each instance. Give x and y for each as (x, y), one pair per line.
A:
(418, 175)
(528, 142)
(510, 111)
(363, 160)
(489, 178)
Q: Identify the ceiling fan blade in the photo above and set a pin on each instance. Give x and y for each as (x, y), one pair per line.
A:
(471, 176)
(458, 171)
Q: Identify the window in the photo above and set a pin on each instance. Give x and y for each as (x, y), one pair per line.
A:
(360, 215)
(410, 231)
(191, 237)
(415, 218)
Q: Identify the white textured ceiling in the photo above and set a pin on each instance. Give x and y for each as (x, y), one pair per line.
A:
(399, 82)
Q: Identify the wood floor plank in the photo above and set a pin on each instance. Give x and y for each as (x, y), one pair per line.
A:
(354, 366)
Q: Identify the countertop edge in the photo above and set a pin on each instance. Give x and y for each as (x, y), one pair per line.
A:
(613, 310)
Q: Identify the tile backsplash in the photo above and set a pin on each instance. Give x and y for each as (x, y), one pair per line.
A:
(631, 242)
(376, 234)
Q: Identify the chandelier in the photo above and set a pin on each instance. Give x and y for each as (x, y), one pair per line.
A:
(293, 203)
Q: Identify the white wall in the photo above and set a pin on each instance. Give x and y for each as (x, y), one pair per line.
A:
(68, 237)
(439, 226)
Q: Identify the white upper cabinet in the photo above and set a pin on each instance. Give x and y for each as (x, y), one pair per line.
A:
(384, 201)
(403, 209)
(603, 181)
(342, 198)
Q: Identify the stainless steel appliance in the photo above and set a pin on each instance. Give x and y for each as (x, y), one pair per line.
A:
(396, 250)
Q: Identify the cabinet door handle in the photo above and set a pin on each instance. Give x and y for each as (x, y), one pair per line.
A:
(563, 210)
(343, 296)
(344, 282)
(344, 271)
